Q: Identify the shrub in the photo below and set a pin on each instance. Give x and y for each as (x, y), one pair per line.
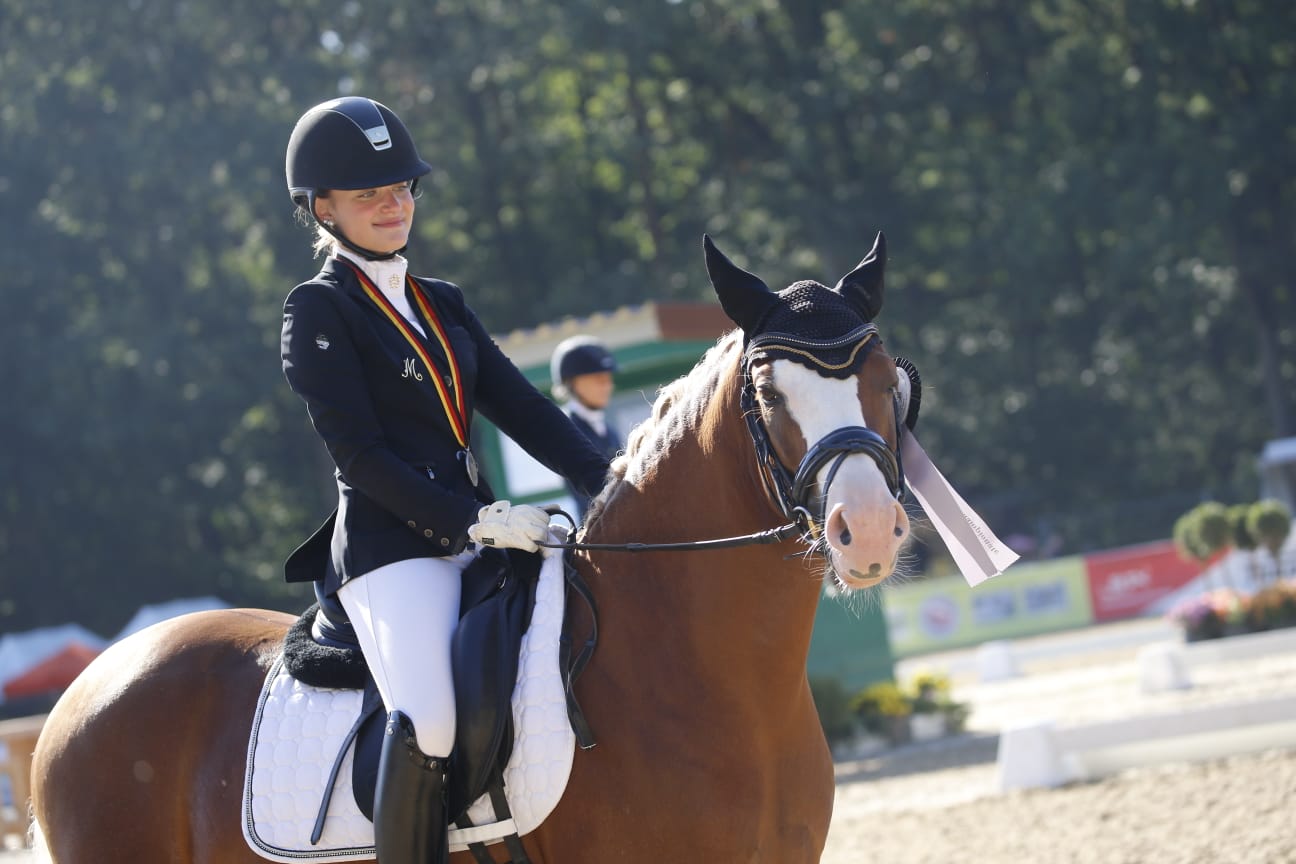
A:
(1203, 531)
(1182, 534)
(1269, 522)
(1242, 536)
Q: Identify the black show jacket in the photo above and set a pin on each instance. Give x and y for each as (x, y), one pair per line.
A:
(609, 443)
(403, 491)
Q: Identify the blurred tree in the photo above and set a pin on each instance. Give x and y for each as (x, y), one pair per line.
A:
(1089, 206)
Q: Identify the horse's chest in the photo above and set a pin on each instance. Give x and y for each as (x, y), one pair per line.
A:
(721, 803)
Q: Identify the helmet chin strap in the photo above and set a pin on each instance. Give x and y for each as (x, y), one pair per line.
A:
(367, 254)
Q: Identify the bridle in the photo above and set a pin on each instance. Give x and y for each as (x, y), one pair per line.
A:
(799, 496)
(795, 495)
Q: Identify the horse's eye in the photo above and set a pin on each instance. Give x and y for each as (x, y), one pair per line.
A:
(769, 395)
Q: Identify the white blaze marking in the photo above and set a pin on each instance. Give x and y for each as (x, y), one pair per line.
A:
(819, 405)
(822, 405)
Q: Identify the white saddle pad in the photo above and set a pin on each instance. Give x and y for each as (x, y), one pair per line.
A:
(298, 731)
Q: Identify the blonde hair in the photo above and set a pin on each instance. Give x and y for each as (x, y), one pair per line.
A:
(324, 241)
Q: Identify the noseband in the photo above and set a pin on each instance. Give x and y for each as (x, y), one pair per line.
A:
(798, 496)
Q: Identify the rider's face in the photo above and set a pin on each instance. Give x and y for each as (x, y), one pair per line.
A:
(379, 219)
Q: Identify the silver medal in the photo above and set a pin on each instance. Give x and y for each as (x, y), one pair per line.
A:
(470, 465)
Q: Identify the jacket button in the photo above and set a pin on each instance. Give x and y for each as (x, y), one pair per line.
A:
(427, 532)
(445, 541)
(411, 524)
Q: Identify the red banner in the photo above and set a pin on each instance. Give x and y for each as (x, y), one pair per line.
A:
(1124, 582)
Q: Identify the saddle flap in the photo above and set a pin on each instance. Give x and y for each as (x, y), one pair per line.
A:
(368, 748)
(485, 653)
(282, 824)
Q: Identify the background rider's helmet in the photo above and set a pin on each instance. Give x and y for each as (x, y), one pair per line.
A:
(579, 355)
(349, 143)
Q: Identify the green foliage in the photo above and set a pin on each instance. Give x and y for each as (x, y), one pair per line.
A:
(831, 702)
(1270, 523)
(1089, 207)
(1210, 527)
(1241, 536)
(1203, 531)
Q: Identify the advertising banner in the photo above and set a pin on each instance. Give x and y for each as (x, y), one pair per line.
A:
(1036, 597)
(1127, 582)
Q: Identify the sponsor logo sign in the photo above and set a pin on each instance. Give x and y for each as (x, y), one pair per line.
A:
(1128, 582)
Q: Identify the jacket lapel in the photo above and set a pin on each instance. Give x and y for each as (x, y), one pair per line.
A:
(392, 336)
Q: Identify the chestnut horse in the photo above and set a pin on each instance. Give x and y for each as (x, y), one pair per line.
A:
(709, 746)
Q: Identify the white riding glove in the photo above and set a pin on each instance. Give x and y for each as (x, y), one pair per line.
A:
(510, 526)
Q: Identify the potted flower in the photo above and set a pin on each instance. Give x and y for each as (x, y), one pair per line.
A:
(884, 710)
(1221, 612)
(935, 713)
(1272, 607)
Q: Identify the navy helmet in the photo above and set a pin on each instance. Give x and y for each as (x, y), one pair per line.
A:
(349, 143)
(579, 355)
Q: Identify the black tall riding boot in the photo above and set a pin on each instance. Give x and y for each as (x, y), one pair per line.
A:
(409, 802)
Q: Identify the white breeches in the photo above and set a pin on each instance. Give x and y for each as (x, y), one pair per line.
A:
(404, 615)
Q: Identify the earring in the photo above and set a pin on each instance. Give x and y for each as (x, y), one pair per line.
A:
(328, 223)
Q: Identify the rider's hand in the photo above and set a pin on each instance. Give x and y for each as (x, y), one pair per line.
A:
(510, 526)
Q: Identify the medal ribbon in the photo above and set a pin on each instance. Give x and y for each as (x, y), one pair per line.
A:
(452, 403)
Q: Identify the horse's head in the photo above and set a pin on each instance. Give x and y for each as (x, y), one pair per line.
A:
(825, 405)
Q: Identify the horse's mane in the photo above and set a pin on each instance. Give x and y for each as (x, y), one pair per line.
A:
(678, 409)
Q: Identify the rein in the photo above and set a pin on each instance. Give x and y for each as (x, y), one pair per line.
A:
(768, 536)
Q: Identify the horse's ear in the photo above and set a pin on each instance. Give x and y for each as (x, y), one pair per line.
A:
(743, 296)
(862, 287)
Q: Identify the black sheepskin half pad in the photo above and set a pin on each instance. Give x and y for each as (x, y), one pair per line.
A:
(319, 665)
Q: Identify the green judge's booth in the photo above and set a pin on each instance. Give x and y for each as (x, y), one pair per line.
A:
(654, 344)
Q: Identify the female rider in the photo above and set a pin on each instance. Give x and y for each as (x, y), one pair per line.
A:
(391, 367)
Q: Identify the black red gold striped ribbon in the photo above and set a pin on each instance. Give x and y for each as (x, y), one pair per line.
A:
(452, 399)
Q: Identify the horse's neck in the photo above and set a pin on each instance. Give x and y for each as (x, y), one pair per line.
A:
(748, 606)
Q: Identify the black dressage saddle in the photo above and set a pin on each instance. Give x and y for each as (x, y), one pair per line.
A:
(495, 609)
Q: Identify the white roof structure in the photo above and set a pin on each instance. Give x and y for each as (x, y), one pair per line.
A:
(1277, 468)
(619, 328)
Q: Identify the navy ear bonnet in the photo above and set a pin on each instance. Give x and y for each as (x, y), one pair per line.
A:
(815, 326)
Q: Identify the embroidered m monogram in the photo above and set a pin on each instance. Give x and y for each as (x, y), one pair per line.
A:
(411, 370)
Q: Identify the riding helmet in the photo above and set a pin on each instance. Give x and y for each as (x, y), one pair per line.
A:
(349, 143)
(580, 355)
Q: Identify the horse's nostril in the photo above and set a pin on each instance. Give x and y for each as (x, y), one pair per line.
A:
(845, 537)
